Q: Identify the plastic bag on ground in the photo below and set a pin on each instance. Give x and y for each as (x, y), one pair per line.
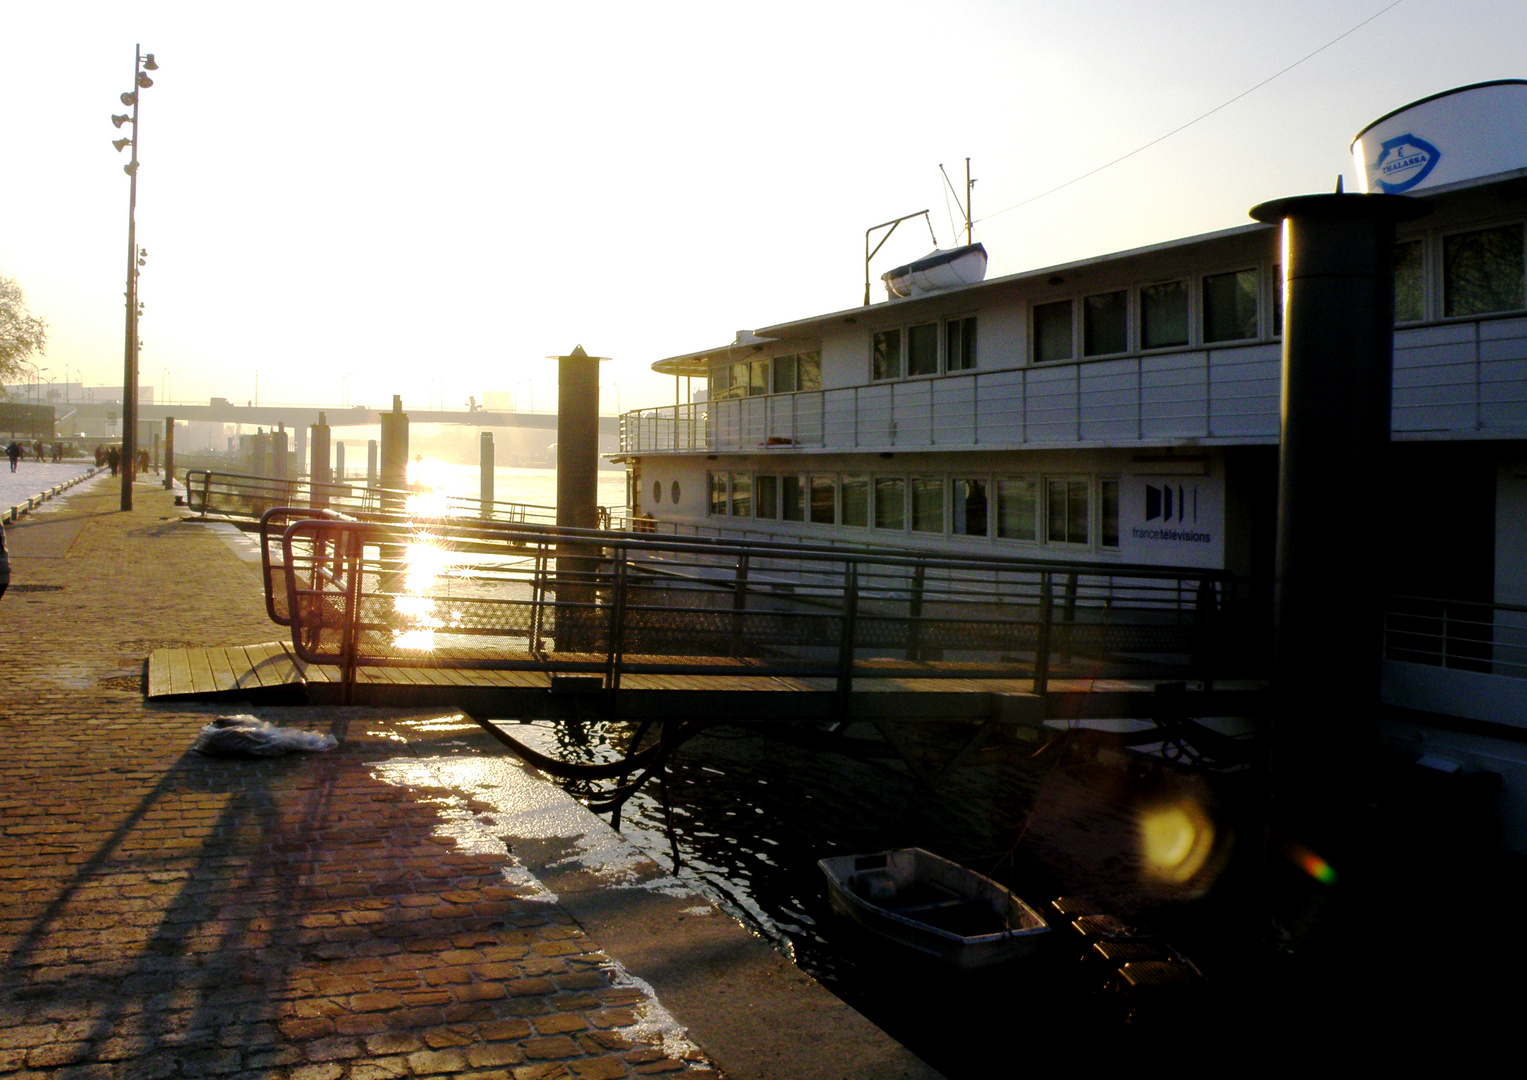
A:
(243, 735)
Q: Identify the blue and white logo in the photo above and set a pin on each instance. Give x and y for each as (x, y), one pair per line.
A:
(1404, 162)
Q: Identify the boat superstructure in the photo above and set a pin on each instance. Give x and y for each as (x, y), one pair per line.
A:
(1125, 408)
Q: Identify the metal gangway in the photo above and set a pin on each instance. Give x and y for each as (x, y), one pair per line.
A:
(611, 610)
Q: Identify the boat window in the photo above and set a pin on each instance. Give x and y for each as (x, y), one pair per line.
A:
(928, 504)
(740, 377)
(765, 495)
(720, 380)
(1017, 508)
(1105, 323)
(969, 508)
(890, 502)
(1066, 511)
(1230, 306)
(784, 375)
(673, 493)
(718, 493)
(886, 360)
(856, 501)
(824, 509)
(792, 498)
(1409, 299)
(1164, 315)
(742, 494)
(1052, 331)
(657, 492)
(1482, 271)
(922, 349)
(808, 371)
(1108, 513)
(960, 344)
(758, 377)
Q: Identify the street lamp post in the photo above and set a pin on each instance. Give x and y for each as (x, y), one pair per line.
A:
(142, 64)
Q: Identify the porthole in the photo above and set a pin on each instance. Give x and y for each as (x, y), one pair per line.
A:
(673, 493)
(657, 491)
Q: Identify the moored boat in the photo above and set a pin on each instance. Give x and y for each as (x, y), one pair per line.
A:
(925, 902)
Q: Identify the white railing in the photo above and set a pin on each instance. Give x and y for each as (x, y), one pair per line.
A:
(1465, 379)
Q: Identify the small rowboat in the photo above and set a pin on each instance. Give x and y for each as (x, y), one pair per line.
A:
(935, 906)
(943, 268)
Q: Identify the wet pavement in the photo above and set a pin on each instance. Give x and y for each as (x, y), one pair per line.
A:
(410, 904)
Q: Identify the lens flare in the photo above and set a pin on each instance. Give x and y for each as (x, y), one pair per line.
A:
(1310, 863)
(1176, 840)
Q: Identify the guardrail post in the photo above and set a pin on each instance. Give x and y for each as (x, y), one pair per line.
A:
(1068, 616)
(1042, 640)
(739, 605)
(846, 639)
(349, 633)
(915, 614)
(617, 618)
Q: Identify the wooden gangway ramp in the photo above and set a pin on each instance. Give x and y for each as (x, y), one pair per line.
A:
(272, 670)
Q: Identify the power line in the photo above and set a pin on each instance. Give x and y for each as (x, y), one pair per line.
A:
(1196, 119)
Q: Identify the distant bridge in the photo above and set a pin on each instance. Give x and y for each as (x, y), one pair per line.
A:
(220, 410)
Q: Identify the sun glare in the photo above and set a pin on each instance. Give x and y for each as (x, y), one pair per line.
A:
(1176, 840)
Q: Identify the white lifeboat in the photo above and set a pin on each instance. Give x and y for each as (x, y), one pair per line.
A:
(940, 269)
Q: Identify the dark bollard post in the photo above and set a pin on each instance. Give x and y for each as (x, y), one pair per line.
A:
(278, 454)
(169, 453)
(577, 492)
(371, 463)
(1338, 346)
(258, 453)
(394, 459)
(485, 472)
(339, 462)
(319, 476)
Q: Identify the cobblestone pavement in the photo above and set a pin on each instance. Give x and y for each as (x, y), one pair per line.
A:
(168, 915)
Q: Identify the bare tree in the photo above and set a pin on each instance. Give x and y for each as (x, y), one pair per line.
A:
(22, 334)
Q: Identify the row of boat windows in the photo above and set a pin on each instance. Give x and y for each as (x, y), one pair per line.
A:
(1155, 316)
(1070, 510)
(1482, 272)
(766, 375)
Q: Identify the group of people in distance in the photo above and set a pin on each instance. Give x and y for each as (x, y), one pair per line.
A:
(40, 450)
(104, 455)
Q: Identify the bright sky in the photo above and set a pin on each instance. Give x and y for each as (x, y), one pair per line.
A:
(378, 198)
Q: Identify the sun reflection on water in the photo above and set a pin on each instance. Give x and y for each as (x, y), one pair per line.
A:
(426, 562)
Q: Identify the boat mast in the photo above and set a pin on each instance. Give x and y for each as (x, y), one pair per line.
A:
(969, 184)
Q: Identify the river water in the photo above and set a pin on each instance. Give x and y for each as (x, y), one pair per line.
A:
(751, 810)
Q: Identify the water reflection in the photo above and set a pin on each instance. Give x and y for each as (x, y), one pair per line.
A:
(426, 562)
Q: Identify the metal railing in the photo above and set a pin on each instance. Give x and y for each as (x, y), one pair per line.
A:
(244, 495)
(1459, 376)
(520, 597)
(1464, 635)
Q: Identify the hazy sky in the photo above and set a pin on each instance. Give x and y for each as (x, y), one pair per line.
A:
(375, 198)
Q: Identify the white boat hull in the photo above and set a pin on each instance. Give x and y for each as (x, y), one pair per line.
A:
(937, 907)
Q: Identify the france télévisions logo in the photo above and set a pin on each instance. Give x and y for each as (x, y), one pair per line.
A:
(1168, 503)
(1403, 162)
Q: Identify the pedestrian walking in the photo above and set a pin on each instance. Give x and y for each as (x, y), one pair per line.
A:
(13, 452)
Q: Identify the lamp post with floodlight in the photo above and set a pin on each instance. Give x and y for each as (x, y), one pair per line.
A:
(142, 64)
